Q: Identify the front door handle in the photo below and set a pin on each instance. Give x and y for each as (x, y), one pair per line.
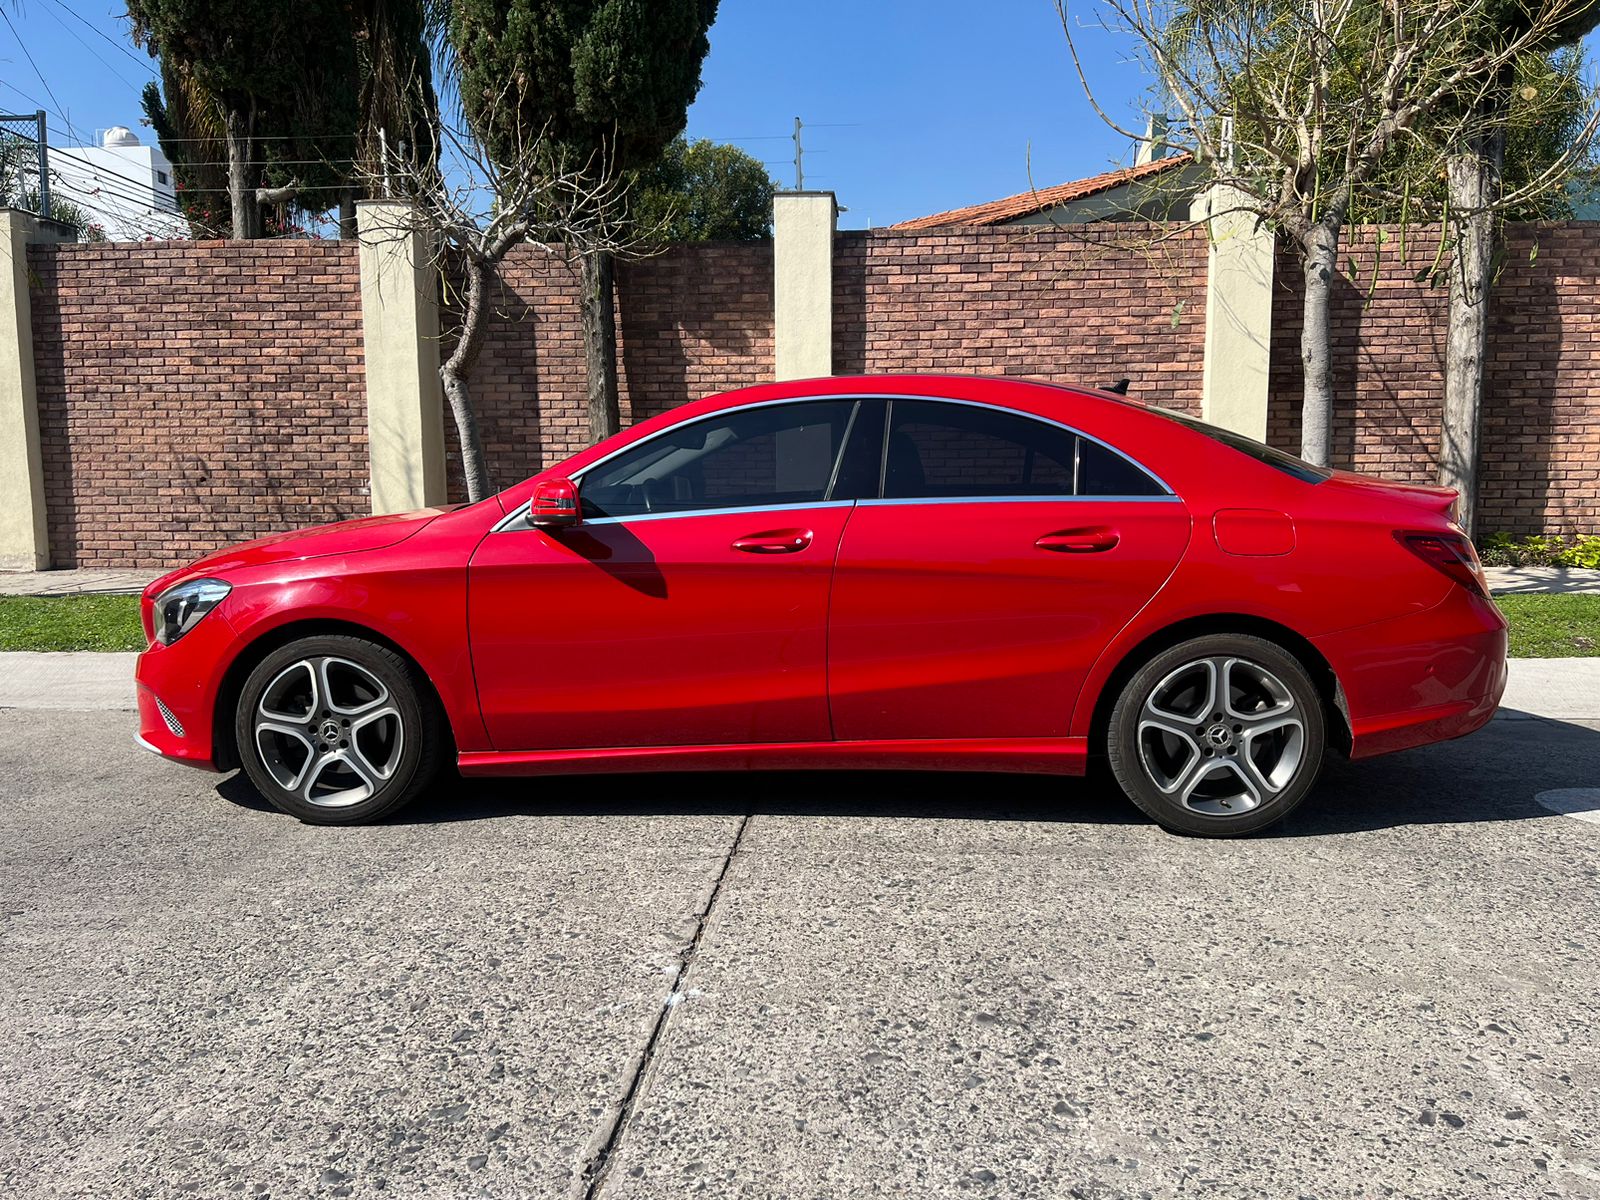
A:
(774, 541)
(1094, 540)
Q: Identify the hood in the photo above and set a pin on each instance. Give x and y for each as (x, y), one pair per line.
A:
(318, 541)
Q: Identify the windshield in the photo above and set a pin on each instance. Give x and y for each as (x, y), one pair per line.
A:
(1280, 460)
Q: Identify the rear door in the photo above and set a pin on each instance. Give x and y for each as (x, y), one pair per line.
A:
(1002, 552)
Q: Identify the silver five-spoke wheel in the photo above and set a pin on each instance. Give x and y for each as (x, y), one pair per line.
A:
(337, 729)
(1219, 735)
(328, 731)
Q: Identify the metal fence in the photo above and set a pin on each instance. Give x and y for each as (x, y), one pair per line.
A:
(24, 162)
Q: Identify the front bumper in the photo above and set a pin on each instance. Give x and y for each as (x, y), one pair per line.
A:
(1423, 678)
(177, 692)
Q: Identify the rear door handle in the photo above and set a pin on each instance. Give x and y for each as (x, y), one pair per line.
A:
(1080, 541)
(774, 541)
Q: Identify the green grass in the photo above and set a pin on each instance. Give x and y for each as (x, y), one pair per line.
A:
(1541, 626)
(70, 623)
(1553, 626)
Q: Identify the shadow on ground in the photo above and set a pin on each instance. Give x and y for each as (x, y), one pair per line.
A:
(1491, 776)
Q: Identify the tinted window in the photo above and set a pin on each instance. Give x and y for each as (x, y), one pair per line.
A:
(1102, 472)
(938, 450)
(941, 450)
(779, 454)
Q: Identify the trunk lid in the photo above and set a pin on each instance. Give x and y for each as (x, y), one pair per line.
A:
(1440, 500)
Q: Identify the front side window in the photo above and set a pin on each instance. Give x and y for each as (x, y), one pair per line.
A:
(752, 458)
(939, 451)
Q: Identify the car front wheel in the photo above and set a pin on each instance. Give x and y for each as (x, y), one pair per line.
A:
(337, 730)
(1218, 736)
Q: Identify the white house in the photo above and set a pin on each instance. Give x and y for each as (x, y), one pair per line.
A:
(124, 186)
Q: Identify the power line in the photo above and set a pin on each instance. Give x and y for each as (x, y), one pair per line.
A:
(78, 37)
(143, 62)
(23, 46)
(274, 137)
(55, 112)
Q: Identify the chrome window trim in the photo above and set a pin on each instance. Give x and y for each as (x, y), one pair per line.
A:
(517, 521)
(712, 512)
(880, 502)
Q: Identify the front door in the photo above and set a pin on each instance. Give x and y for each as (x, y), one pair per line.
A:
(972, 598)
(690, 605)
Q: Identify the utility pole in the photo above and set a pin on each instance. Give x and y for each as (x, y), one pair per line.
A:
(799, 159)
(44, 169)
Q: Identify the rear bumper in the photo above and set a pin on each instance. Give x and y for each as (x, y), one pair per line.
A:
(1424, 678)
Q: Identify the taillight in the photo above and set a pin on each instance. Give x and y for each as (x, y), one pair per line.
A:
(1449, 553)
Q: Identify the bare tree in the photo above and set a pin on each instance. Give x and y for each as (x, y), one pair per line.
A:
(1297, 109)
(471, 209)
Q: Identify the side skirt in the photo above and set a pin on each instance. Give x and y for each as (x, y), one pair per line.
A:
(1038, 756)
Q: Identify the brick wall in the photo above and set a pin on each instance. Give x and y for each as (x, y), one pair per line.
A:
(1541, 414)
(691, 321)
(1082, 303)
(195, 394)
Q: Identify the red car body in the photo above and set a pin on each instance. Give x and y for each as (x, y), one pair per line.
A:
(858, 633)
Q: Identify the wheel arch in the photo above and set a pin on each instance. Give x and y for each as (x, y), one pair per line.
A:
(1316, 665)
(224, 746)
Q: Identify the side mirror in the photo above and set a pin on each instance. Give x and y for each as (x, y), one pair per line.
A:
(554, 505)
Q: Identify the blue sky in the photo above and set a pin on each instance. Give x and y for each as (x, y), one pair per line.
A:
(911, 107)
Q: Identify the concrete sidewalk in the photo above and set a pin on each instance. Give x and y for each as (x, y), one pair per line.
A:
(1561, 689)
(1540, 581)
(75, 583)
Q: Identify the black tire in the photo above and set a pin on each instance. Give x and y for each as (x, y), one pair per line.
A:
(1268, 744)
(389, 756)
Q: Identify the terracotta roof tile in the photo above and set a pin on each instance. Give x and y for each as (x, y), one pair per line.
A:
(998, 212)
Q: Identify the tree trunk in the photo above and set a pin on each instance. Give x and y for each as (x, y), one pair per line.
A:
(1319, 250)
(347, 213)
(600, 345)
(241, 196)
(454, 374)
(1474, 181)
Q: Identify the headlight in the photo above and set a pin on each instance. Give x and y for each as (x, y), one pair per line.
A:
(180, 609)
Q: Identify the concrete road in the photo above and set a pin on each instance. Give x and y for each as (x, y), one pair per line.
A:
(797, 986)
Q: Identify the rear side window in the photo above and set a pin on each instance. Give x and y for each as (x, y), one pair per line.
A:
(1103, 472)
(938, 450)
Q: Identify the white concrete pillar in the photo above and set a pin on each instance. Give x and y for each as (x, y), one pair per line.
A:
(1238, 349)
(803, 225)
(400, 335)
(24, 529)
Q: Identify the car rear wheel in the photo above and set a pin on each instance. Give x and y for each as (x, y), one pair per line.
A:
(1219, 736)
(337, 730)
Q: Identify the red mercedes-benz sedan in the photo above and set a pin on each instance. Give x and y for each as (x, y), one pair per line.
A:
(890, 571)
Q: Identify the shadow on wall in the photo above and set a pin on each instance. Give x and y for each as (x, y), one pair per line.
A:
(505, 387)
(55, 441)
(690, 322)
(1386, 354)
(850, 305)
(1388, 351)
(652, 363)
(1521, 394)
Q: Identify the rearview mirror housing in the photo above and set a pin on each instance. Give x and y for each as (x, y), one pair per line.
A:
(554, 504)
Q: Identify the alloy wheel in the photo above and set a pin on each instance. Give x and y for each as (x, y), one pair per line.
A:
(1221, 736)
(328, 731)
